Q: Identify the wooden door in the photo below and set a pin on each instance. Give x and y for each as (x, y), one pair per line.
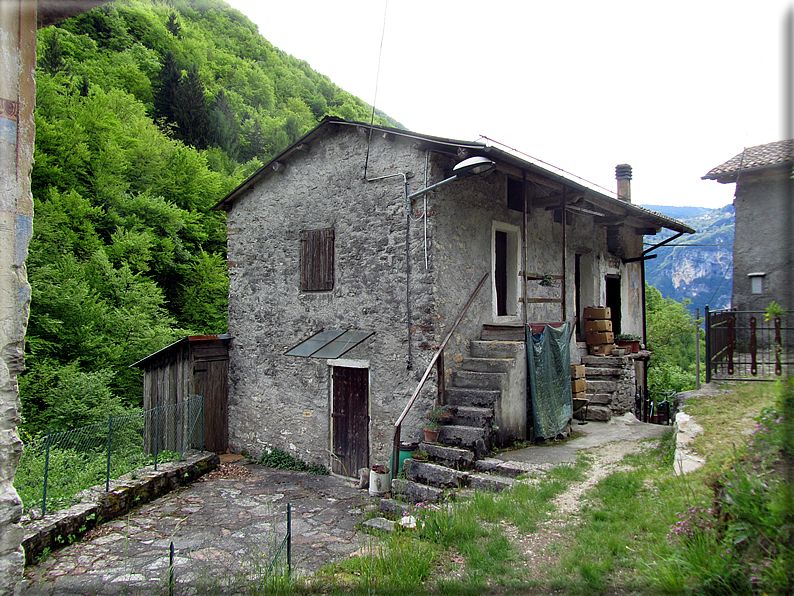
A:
(350, 420)
(209, 379)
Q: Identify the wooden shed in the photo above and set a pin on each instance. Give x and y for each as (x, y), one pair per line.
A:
(194, 365)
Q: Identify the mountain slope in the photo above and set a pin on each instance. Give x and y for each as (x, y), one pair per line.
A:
(699, 266)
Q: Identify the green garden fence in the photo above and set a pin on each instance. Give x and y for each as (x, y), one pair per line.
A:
(55, 468)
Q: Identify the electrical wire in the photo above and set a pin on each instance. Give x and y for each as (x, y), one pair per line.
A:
(377, 79)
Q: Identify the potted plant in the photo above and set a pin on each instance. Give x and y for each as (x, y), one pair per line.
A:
(440, 414)
(431, 430)
(629, 341)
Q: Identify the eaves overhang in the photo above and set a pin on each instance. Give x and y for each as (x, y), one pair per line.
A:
(617, 208)
(50, 12)
(143, 362)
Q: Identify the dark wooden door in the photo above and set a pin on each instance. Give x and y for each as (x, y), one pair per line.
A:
(500, 272)
(209, 380)
(350, 420)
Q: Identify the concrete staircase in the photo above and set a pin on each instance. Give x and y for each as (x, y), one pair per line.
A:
(611, 386)
(458, 460)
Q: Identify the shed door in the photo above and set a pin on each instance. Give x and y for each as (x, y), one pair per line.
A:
(350, 420)
(209, 380)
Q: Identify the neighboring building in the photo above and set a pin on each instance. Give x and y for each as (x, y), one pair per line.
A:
(324, 238)
(764, 236)
(19, 20)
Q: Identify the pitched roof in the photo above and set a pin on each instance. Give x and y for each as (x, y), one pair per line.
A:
(455, 147)
(760, 156)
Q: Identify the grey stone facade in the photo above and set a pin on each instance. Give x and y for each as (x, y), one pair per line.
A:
(320, 183)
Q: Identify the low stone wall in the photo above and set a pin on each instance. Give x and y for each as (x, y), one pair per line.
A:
(96, 506)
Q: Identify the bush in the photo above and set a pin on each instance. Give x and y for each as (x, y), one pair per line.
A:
(276, 458)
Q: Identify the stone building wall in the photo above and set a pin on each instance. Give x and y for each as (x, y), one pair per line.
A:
(284, 401)
(761, 241)
(17, 99)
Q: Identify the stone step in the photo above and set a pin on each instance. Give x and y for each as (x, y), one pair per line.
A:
(488, 365)
(496, 349)
(490, 483)
(415, 492)
(434, 474)
(471, 437)
(595, 386)
(600, 399)
(503, 332)
(599, 413)
(611, 361)
(452, 457)
(604, 372)
(469, 396)
(477, 380)
(510, 469)
(473, 416)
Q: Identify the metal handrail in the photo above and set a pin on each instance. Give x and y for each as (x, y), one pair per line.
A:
(439, 353)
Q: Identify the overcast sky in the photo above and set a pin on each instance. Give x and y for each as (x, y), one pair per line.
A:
(672, 88)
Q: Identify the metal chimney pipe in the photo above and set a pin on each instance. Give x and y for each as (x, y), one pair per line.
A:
(623, 176)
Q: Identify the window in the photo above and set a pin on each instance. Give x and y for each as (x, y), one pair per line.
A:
(756, 282)
(515, 194)
(317, 260)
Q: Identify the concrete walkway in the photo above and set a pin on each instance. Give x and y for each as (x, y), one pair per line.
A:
(224, 527)
(591, 434)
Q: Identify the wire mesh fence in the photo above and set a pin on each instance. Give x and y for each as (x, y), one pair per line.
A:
(56, 467)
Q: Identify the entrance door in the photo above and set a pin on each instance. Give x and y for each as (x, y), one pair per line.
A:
(613, 300)
(350, 420)
(500, 272)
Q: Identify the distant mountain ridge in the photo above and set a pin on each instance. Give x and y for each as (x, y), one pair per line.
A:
(697, 267)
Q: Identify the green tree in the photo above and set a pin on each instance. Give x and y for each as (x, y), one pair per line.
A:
(191, 112)
(671, 338)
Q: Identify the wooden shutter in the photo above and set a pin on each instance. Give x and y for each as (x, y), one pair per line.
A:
(317, 260)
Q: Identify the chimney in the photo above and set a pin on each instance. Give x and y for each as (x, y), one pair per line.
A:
(623, 176)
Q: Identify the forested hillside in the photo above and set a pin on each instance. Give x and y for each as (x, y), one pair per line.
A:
(147, 113)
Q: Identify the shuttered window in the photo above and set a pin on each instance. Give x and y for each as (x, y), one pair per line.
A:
(317, 260)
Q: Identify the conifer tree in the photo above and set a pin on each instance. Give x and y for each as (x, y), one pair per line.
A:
(191, 112)
(165, 94)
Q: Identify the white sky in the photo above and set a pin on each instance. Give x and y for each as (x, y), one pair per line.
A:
(672, 88)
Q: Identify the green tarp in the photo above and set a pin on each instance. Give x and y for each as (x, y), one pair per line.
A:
(549, 380)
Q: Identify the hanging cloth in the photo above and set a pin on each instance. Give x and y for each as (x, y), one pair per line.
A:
(549, 380)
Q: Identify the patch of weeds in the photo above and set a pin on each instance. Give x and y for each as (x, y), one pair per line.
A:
(276, 458)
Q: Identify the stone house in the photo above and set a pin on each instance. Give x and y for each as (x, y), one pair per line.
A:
(327, 238)
(763, 251)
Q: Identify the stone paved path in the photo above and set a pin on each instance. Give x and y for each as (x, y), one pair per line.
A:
(224, 529)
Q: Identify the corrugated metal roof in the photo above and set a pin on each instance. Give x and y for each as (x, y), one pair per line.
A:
(651, 218)
(760, 156)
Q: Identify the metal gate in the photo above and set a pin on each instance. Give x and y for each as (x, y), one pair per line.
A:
(748, 345)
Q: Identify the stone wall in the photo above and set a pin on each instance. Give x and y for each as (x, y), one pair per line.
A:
(17, 100)
(97, 506)
(762, 241)
(283, 401)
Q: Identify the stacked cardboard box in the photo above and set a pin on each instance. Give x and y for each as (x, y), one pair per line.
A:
(578, 382)
(598, 329)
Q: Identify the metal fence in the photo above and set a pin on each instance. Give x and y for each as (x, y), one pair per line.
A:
(748, 345)
(56, 467)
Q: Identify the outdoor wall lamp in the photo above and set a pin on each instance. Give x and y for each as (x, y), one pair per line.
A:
(473, 166)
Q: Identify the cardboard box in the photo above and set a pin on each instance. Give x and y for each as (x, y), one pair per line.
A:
(597, 312)
(597, 326)
(602, 349)
(595, 339)
(577, 371)
(578, 385)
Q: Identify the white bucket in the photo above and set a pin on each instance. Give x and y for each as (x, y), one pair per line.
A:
(378, 484)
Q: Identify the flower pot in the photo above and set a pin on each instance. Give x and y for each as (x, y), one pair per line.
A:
(431, 435)
(632, 345)
(378, 483)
